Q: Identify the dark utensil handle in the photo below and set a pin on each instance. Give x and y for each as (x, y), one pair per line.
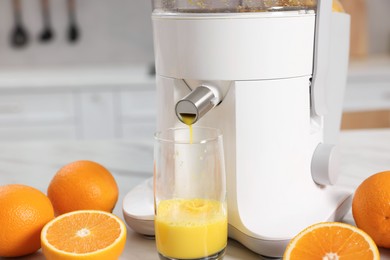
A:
(73, 30)
(19, 36)
(47, 33)
(46, 12)
(17, 8)
(72, 11)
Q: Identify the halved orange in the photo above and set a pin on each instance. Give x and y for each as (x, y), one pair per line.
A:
(330, 241)
(84, 234)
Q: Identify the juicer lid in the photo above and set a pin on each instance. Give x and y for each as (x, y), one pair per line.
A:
(231, 6)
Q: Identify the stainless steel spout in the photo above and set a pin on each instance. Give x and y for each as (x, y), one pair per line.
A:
(197, 103)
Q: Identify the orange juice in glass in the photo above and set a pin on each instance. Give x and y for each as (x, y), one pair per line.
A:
(190, 194)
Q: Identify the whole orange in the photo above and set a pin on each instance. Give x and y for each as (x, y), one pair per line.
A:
(24, 211)
(83, 185)
(371, 207)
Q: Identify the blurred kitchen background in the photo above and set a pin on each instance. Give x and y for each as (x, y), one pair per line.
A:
(111, 32)
(97, 82)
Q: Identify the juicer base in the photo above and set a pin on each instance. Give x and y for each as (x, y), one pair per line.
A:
(274, 248)
(138, 208)
(138, 212)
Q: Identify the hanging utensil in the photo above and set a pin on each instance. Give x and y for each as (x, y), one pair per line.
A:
(19, 35)
(73, 29)
(47, 33)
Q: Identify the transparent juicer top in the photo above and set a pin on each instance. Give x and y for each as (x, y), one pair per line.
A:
(232, 6)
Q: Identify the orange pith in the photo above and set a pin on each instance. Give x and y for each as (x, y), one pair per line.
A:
(331, 239)
(88, 233)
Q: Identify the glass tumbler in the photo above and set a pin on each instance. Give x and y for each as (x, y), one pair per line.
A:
(190, 194)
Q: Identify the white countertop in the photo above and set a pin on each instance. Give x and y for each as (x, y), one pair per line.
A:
(34, 163)
(136, 76)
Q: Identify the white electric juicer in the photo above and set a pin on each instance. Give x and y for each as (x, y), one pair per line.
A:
(271, 75)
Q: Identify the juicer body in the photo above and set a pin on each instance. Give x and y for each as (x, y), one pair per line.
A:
(280, 143)
(263, 64)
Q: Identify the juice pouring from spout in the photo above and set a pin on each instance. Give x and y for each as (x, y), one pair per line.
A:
(188, 119)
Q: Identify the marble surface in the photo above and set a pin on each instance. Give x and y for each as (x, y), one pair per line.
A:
(363, 153)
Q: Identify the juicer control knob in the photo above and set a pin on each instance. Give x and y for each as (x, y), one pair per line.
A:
(325, 164)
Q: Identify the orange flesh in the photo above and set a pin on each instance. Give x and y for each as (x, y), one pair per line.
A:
(84, 233)
(341, 241)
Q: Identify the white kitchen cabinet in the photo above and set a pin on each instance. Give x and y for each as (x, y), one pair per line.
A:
(30, 114)
(138, 114)
(368, 85)
(102, 104)
(36, 106)
(367, 97)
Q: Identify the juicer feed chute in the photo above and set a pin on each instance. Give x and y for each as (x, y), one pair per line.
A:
(264, 72)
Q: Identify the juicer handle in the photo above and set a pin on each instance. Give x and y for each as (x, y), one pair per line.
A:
(196, 104)
(321, 57)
